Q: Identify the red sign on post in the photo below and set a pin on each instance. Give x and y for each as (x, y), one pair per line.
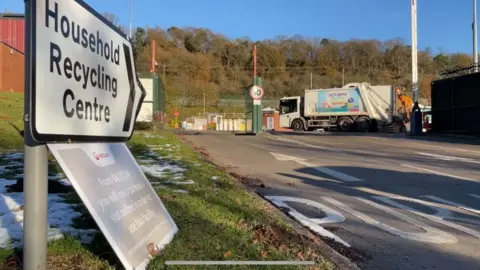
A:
(176, 114)
(256, 92)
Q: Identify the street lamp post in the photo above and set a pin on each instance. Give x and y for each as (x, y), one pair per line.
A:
(130, 33)
(474, 29)
(416, 116)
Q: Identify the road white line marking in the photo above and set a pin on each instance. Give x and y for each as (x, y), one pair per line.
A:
(439, 217)
(475, 196)
(336, 174)
(443, 211)
(461, 206)
(449, 158)
(339, 175)
(279, 138)
(414, 141)
(431, 234)
(332, 216)
(440, 173)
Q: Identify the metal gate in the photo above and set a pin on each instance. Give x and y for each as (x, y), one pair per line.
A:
(456, 104)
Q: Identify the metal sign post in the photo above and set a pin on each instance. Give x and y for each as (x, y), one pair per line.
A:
(256, 93)
(35, 174)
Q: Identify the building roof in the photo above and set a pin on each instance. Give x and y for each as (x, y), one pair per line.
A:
(9, 46)
(9, 15)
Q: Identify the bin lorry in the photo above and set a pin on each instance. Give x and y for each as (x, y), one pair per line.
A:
(354, 107)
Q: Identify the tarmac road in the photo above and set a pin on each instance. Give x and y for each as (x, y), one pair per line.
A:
(402, 203)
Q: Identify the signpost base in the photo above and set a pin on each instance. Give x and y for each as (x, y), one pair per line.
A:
(257, 117)
(416, 122)
(35, 207)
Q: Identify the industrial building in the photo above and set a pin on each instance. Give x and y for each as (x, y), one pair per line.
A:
(12, 48)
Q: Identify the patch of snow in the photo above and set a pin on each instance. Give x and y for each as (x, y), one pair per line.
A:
(159, 170)
(65, 182)
(19, 176)
(14, 165)
(59, 177)
(56, 176)
(180, 191)
(149, 153)
(4, 183)
(178, 176)
(147, 160)
(13, 156)
(60, 214)
(154, 136)
(188, 182)
(215, 177)
(60, 219)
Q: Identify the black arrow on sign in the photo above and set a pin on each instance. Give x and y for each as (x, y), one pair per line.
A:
(131, 96)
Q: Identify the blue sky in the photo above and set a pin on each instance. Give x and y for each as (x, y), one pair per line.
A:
(443, 25)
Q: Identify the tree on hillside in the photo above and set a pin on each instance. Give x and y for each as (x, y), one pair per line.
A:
(198, 61)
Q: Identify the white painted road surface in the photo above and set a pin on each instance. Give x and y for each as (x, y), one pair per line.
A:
(402, 203)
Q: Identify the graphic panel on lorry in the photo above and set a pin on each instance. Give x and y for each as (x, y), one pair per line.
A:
(336, 101)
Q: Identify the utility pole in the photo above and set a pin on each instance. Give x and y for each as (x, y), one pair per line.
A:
(130, 19)
(414, 52)
(475, 39)
(311, 80)
(204, 105)
(343, 76)
(154, 63)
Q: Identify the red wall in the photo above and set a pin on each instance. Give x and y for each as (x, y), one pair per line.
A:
(11, 69)
(12, 32)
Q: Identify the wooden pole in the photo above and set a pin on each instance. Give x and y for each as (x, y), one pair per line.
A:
(254, 61)
(153, 56)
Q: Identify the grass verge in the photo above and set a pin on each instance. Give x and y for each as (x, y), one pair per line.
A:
(11, 112)
(218, 219)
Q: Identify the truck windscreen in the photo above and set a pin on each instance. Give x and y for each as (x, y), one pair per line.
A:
(288, 106)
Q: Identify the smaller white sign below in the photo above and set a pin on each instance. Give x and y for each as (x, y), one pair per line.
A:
(270, 123)
(119, 197)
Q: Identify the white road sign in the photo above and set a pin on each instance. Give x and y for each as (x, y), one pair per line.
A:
(256, 92)
(119, 197)
(84, 83)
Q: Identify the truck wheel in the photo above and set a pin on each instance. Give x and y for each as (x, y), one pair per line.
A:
(345, 123)
(363, 124)
(297, 125)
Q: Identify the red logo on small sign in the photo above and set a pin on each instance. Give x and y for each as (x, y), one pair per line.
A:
(100, 156)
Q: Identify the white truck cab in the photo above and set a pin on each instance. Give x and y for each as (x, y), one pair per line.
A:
(291, 109)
